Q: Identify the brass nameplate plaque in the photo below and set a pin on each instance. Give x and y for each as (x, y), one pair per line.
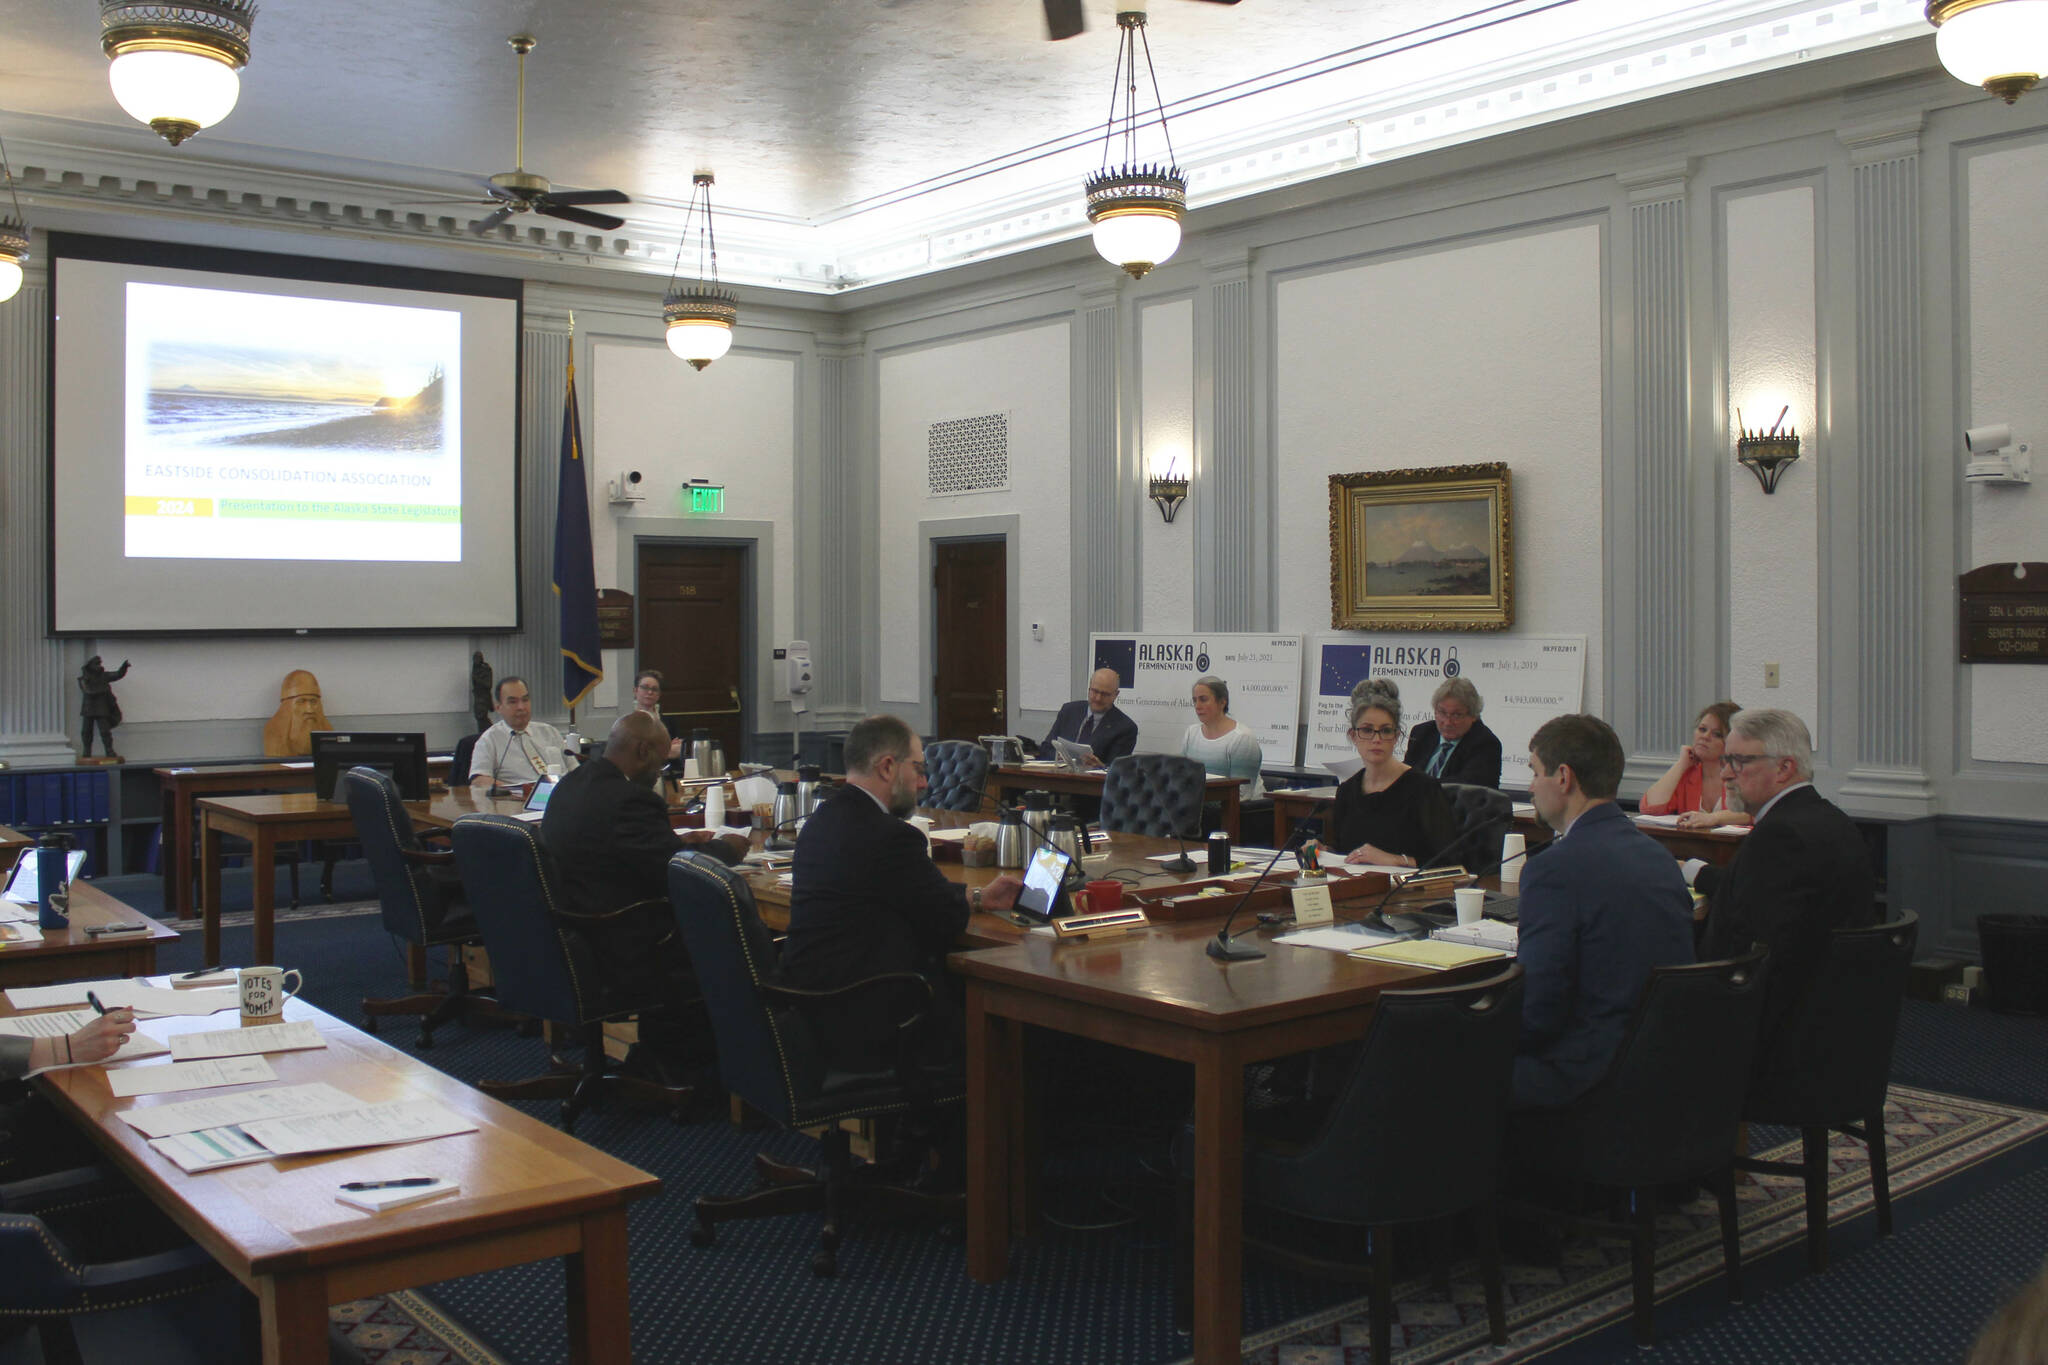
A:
(2002, 617)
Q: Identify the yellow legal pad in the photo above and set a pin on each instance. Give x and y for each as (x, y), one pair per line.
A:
(1434, 954)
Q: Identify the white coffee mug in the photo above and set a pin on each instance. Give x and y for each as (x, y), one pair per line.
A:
(1511, 850)
(923, 825)
(1471, 904)
(263, 990)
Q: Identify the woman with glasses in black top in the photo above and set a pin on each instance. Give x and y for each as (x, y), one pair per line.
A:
(1387, 814)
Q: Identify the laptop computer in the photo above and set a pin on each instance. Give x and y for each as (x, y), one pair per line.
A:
(537, 801)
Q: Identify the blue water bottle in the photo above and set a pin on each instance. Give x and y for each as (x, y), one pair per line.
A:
(50, 865)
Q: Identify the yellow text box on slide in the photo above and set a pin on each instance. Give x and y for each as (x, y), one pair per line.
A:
(169, 507)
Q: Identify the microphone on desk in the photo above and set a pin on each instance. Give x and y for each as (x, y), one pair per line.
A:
(1220, 947)
(1183, 863)
(1412, 924)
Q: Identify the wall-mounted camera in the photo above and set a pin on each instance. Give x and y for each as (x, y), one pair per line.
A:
(625, 489)
(1995, 460)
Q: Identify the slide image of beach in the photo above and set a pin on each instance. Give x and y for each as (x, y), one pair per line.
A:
(221, 369)
(1436, 548)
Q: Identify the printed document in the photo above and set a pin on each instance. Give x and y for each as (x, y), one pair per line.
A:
(237, 1042)
(279, 1102)
(158, 1080)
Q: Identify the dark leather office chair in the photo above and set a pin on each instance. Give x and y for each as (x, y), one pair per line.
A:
(1374, 1164)
(1157, 795)
(1486, 815)
(955, 773)
(1665, 1112)
(420, 898)
(1828, 1065)
(769, 1055)
(543, 969)
(459, 761)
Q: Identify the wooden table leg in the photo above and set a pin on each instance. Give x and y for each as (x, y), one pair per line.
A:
(263, 894)
(177, 849)
(1026, 1140)
(600, 1311)
(988, 1158)
(209, 886)
(1219, 1210)
(294, 1317)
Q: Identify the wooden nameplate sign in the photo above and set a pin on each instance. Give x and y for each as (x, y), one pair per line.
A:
(1186, 900)
(1107, 924)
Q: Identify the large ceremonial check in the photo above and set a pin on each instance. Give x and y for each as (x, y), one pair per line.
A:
(1523, 681)
(1157, 673)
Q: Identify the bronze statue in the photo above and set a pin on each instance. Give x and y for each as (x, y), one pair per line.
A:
(289, 731)
(480, 703)
(99, 707)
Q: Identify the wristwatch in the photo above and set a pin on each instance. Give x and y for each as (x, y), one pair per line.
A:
(973, 900)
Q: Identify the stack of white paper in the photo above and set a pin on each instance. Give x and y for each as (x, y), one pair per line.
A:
(148, 1002)
(238, 1042)
(379, 1125)
(245, 1106)
(1340, 937)
(159, 1080)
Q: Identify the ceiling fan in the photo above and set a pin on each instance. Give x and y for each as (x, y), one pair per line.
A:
(1063, 18)
(521, 191)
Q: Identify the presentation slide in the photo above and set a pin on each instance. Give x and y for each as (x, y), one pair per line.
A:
(261, 426)
(246, 443)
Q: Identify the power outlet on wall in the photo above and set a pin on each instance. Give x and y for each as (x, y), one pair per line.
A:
(1770, 675)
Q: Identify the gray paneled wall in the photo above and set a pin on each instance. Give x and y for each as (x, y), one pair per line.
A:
(35, 693)
(535, 653)
(1232, 577)
(1098, 474)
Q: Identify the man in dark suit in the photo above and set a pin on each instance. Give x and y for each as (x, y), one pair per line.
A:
(1602, 907)
(1802, 871)
(867, 897)
(607, 831)
(1108, 732)
(1455, 746)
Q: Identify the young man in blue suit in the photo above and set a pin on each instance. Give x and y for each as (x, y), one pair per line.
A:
(1602, 906)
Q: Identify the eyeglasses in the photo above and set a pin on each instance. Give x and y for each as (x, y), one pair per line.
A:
(920, 770)
(1741, 761)
(1374, 731)
(1446, 713)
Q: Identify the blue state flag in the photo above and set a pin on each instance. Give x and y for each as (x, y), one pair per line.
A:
(575, 576)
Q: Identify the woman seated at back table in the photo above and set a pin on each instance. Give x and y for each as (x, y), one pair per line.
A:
(1387, 813)
(1223, 746)
(1691, 788)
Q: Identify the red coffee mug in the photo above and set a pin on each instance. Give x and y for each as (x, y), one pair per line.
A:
(1105, 896)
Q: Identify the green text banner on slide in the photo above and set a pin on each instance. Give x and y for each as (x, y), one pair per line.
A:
(1523, 680)
(1157, 674)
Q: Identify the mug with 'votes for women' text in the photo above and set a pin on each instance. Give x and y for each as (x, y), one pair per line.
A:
(263, 990)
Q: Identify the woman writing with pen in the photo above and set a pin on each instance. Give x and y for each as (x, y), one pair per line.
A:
(95, 1042)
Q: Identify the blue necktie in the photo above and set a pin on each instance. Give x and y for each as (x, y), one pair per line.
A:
(1440, 757)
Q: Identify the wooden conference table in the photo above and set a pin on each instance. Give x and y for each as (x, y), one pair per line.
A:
(71, 954)
(1709, 845)
(1010, 777)
(529, 1192)
(12, 842)
(181, 788)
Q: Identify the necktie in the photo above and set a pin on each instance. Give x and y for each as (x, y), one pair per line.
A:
(1088, 726)
(1440, 757)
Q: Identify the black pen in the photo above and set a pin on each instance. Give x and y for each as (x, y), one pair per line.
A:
(411, 1180)
(203, 971)
(92, 998)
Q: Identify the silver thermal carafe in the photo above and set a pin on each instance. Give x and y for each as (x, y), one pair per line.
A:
(807, 778)
(1010, 837)
(1066, 837)
(710, 755)
(1037, 818)
(783, 817)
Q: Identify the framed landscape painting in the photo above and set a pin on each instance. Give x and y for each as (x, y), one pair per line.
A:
(1421, 549)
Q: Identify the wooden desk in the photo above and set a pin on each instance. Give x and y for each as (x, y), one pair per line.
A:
(70, 955)
(181, 788)
(12, 842)
(528, 1193)
(1710, 845)
(1158, 992)
(1011, 778)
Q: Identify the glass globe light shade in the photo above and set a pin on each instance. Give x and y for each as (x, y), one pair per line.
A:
(699, 341)
(176, 92)
(10, 278)
(2001, 45)
(1138, 238)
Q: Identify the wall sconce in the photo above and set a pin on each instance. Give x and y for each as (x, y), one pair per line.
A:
(1767, 454)
(1169, 491)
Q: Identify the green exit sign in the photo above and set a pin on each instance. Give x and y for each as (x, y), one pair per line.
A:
(706, 497)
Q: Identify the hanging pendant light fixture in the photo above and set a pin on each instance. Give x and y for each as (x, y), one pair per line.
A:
(1136, 209)
(2001, 45)
(13, 235)
(175, 66)
(700, 317)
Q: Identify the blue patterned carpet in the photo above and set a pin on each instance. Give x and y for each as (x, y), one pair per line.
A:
(1964, 1241)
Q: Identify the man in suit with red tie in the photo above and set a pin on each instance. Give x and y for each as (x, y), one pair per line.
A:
(1802, 872)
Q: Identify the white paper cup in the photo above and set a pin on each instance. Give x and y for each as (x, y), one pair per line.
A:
(1471, 904)
(1511, 849)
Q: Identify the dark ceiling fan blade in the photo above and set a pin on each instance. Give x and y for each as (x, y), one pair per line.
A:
(434, 203)
(554, 208)
(1063, 19)
(494, 221)
(591, 197)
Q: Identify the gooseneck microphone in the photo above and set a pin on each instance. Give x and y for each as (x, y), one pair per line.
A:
(1413, 925)
(1221, 947)
(1183, 863)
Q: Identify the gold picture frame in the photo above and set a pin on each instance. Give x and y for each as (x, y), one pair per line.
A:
(1422, 549)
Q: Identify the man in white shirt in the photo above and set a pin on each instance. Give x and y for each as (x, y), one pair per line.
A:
(518, 749)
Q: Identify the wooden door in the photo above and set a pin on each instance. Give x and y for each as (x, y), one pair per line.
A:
(693, 604)
(970, 650)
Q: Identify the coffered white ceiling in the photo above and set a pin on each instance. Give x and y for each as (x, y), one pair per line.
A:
(854, 141)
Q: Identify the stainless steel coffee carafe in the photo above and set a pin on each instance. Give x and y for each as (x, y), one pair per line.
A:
(784, 815)
(1010, 837)
(708, 752)
(1037, 818)
(807, 778)
(1065, 836)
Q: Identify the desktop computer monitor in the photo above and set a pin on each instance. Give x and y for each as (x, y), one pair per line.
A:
(400, 757)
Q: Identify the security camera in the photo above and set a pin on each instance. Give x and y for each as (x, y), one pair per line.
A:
(632, 476)
(1995, 462)
(625, 489)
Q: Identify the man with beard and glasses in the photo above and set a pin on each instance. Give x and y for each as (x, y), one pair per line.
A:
(867, 897)
(608, 834)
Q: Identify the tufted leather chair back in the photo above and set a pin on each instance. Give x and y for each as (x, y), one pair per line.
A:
(1157, 795)
(956, 773)
(1481, 806)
